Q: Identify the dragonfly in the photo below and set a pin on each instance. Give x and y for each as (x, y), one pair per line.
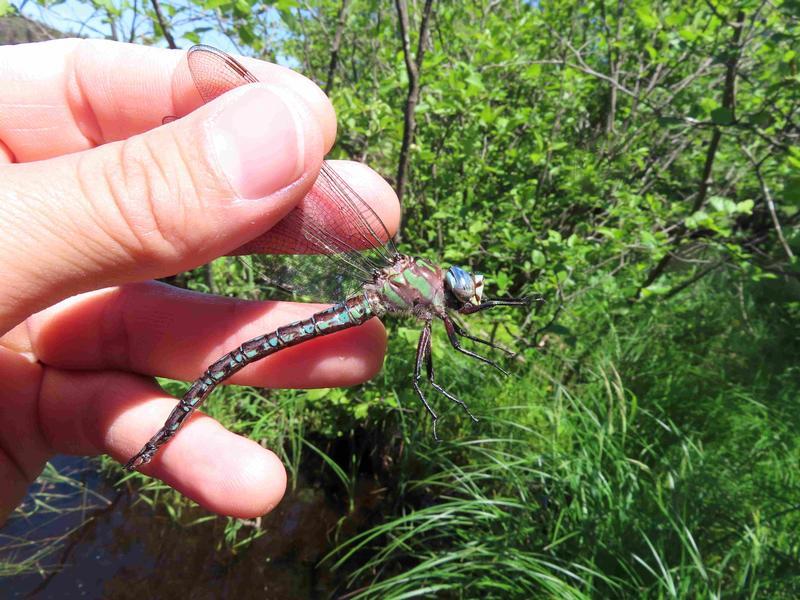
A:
(334, 222)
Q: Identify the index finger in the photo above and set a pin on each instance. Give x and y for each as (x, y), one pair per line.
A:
(69, 95)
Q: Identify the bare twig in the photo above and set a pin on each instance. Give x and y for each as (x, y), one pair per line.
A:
(768, 199)
(728, 102)
(413, 65)
(337, 40)
(614, 65)
(693, 279)
(162, 24)
(135, 10)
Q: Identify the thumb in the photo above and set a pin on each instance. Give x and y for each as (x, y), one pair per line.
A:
(157, 203)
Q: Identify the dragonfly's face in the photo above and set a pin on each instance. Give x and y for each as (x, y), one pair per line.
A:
(467, 288)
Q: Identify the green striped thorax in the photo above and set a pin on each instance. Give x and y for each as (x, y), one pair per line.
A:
(416, 286)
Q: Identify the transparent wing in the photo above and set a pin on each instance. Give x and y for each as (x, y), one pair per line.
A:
(214, 72)
(332, 220)
(306, 277)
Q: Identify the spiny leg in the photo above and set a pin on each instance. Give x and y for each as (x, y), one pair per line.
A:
(454, 341)
(441, 390)
(469, 309)
(460, 330)
(423, 350)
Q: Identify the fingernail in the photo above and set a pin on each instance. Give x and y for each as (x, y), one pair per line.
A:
(259, 143)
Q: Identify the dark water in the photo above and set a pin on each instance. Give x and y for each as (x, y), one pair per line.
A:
(127, 549)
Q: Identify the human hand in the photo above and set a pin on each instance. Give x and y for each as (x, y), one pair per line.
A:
(97, 200)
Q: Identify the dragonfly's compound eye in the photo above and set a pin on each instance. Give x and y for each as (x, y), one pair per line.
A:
(467, 288)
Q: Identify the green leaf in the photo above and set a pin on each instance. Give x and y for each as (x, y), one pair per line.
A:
(107, 5)
(670, 121)
(723, 205)
(689, 34)
(761, 119)
(657, 289)
(722, 116)
(697, 219)
(361, 410)
(646, 16)
(794, 157)
(533, 71)
(246, 33)
(501, 280)
(488, 115)
(648, 239)
(192, 36)
(317, 394)
(791, 190)
(538, 259)
(558, 329)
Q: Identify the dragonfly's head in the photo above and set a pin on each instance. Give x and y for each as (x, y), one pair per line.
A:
(464, 288)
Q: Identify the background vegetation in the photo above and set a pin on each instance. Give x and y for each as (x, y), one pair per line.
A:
(637, 164)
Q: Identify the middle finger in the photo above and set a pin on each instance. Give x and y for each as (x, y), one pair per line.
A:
(155, 329)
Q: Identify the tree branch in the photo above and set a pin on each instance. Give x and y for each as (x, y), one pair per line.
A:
(770, 204)
(728, 102)
(413, 65)
(337, 40)
(162, 24)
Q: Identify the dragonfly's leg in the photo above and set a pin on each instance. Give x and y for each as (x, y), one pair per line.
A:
(451, 334)
(441, 390)
(424, 350)
(466, 334)
(469, 309)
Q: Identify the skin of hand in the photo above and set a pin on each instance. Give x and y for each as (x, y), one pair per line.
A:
(97, 200)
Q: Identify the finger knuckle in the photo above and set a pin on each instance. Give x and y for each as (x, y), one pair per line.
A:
(151, 201)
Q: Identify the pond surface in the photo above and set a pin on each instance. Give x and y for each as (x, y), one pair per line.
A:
(107, 545)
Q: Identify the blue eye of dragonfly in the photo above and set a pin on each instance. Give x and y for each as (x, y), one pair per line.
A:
(460, 283)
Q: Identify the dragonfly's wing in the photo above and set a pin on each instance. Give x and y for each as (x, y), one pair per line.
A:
(306, 277)
(332, 220)
(341, 240)
(215, 72)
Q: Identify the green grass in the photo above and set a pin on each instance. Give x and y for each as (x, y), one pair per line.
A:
(668, 467)
(651, 452)
(58, 505)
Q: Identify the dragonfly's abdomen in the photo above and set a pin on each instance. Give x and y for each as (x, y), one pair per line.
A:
(353, 312)
(350, 313)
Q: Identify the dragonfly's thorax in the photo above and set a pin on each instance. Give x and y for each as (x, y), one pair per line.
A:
(411, 286)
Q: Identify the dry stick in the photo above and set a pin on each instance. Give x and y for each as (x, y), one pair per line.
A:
(413, 65)
(301, 21)
(614, 64)
(693, 279)
(135, 10)
(337, 40)
(728, 102)
(112, 23)
(163, 25)
(768, 198)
